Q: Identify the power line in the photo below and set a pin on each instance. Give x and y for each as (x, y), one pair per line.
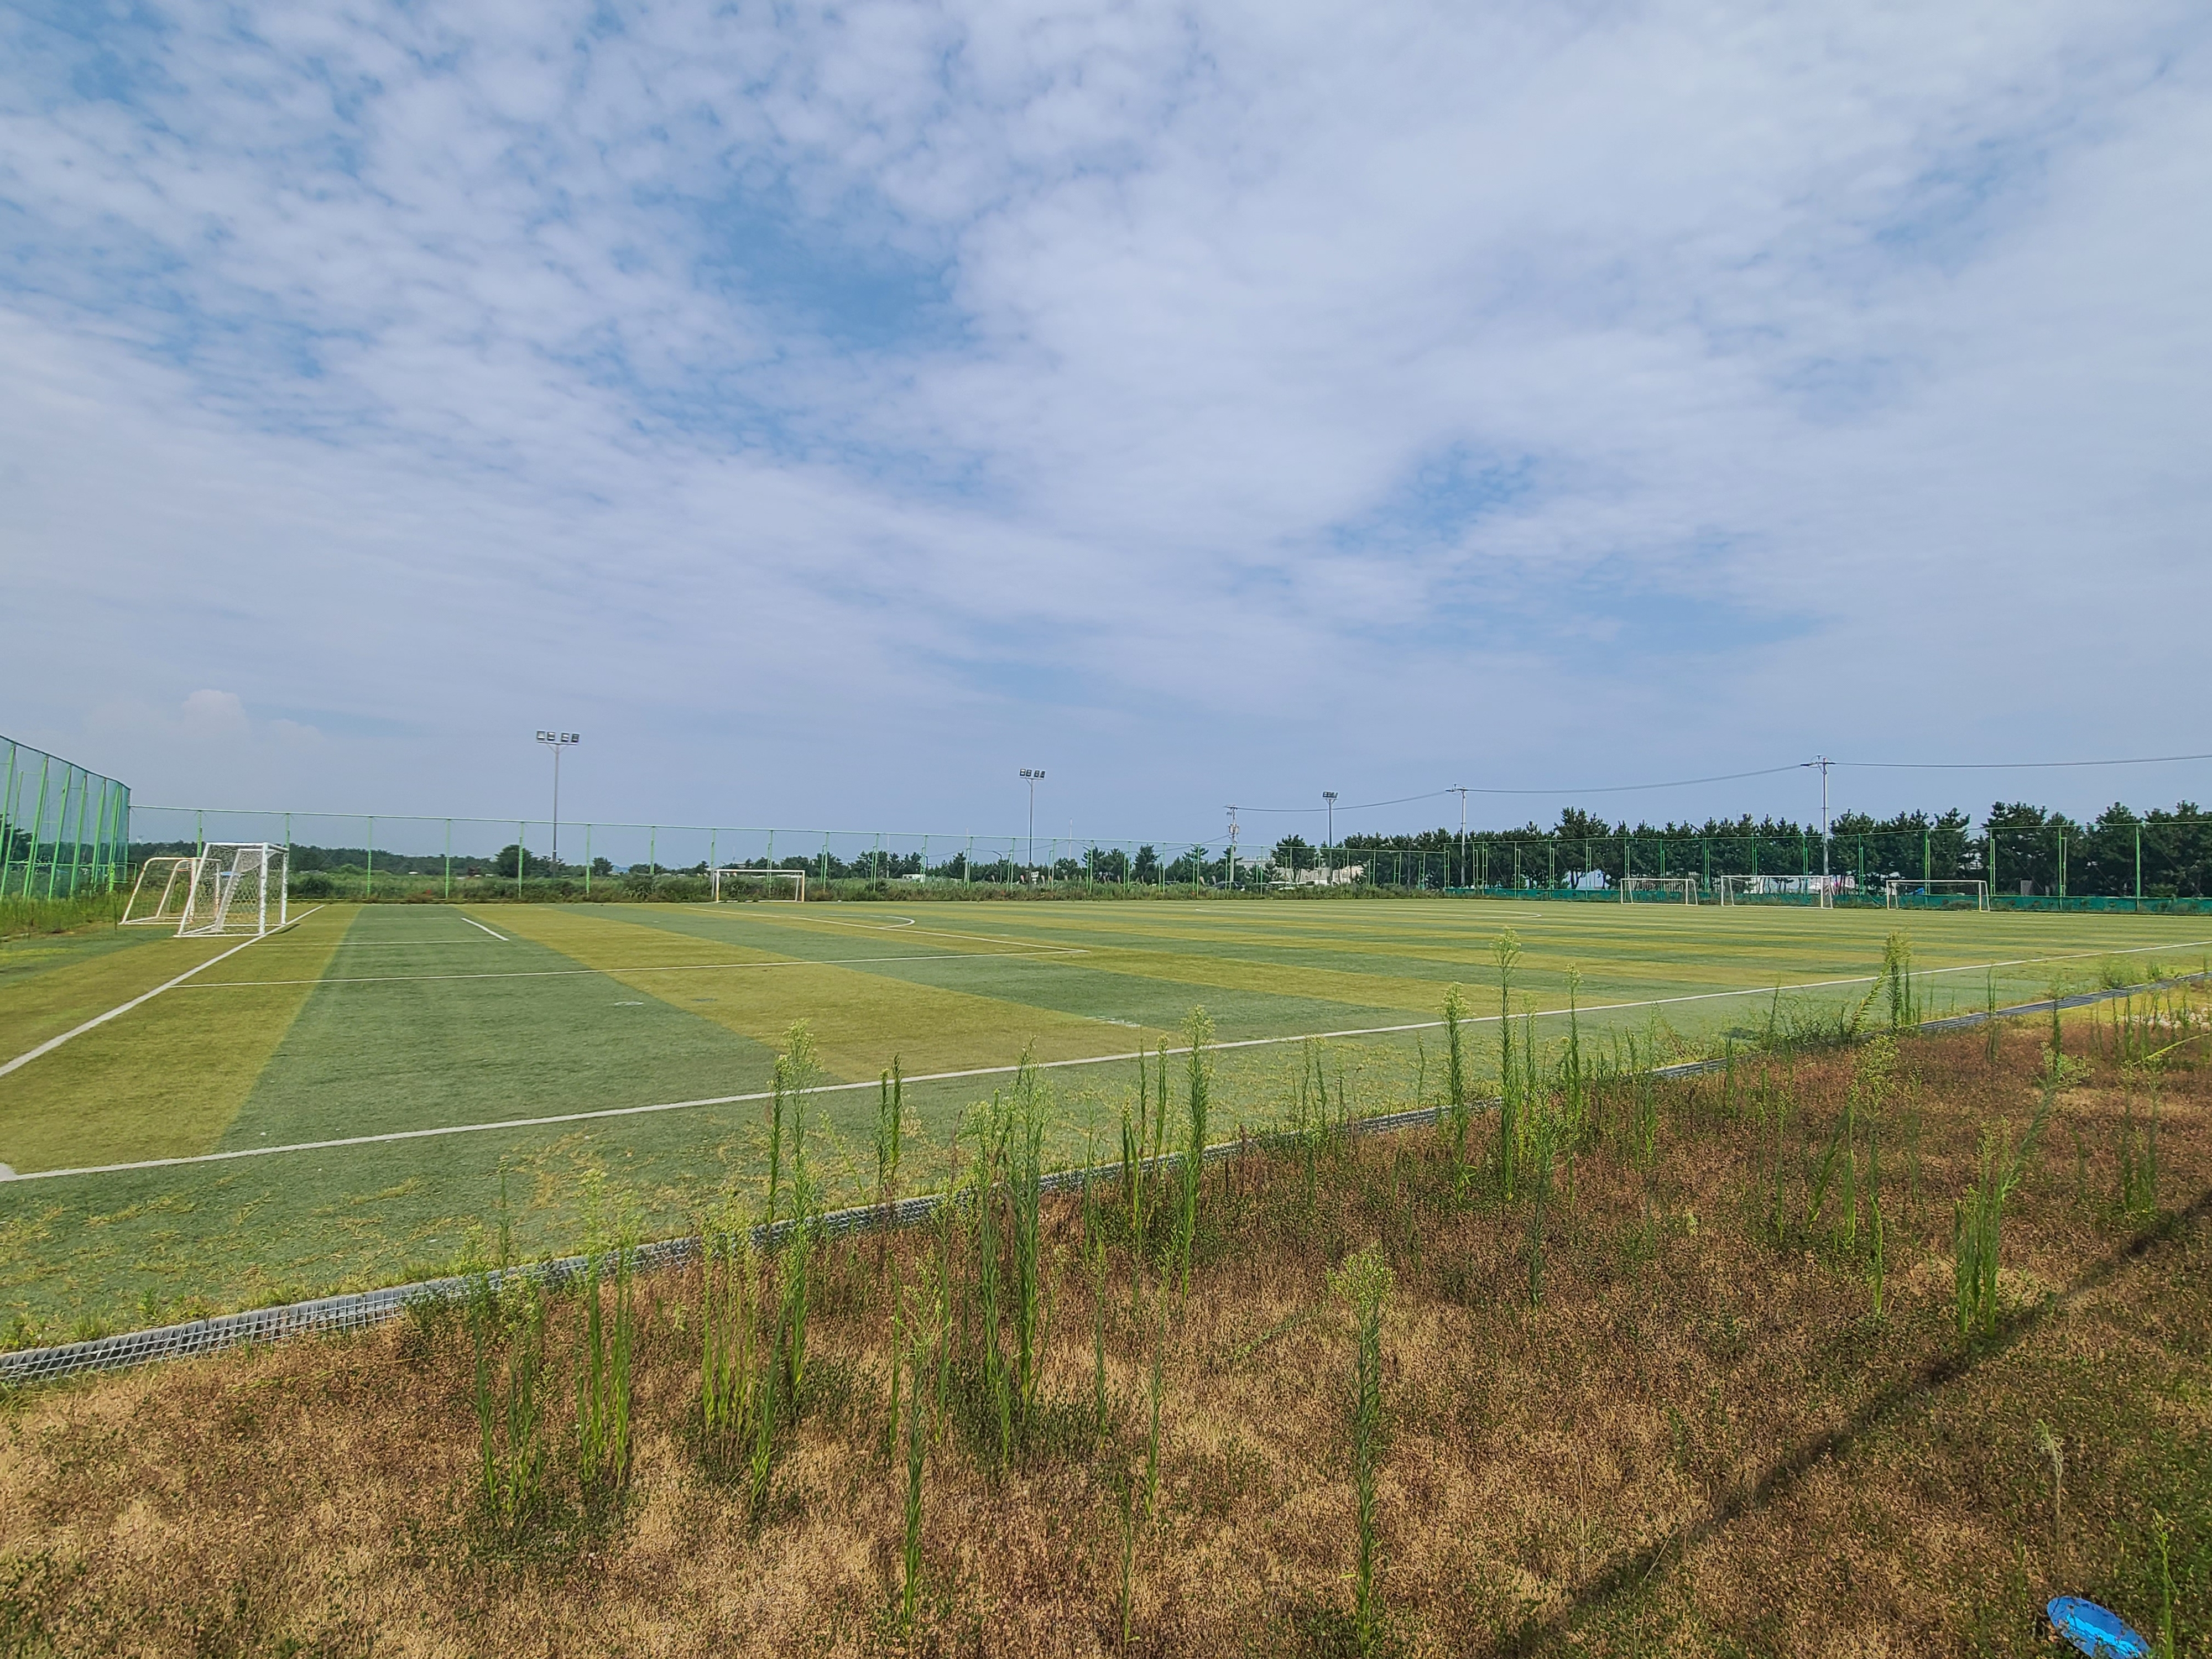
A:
(2014, 766)
(1605, 789)
(1761, 772)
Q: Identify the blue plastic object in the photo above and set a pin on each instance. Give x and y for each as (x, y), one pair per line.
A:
(2098, 1631)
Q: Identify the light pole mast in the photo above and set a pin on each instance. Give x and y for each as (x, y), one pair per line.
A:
(1460, 789)
(1033, 777)
(1328, 840)
(558, 741)
(1232, 849)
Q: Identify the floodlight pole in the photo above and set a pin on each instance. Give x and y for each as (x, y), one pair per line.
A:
(1233, 850)
(555, 741)
(1329, 795)
(1032, 776)
(1460, 789)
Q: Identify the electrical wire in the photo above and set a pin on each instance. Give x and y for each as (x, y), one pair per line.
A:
(1732, 777)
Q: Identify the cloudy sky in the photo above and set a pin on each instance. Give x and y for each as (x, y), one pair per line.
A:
(830, 410)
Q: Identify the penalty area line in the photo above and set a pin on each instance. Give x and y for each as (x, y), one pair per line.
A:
(473, 922)
(53, 1044)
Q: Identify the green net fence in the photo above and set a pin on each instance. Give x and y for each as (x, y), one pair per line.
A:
(64, 830)
(2157, 860)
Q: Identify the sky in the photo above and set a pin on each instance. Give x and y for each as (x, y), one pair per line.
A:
(828, 411)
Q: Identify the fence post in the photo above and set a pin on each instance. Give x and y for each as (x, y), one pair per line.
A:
(369, 887)
(449, 859)
(8, 821)
(2138, 867)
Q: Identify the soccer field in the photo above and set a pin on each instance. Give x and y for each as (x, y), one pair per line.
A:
(333, 1105)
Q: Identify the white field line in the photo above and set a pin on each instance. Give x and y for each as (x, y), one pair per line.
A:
(612, 973)
(393, 1135)
(473, 922)
(53, 1044)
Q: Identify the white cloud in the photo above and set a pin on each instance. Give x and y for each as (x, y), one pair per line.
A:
(833, 410)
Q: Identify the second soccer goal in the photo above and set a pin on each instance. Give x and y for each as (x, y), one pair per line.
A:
(734, 883)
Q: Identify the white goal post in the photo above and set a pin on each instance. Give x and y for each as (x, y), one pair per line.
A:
(1674, 890)
(727, 883)
(1909, 888)
(231, 887)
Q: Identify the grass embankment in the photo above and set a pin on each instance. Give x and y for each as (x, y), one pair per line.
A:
(1707, 1380)
(21, 915)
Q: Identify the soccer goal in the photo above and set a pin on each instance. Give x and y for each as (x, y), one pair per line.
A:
(1815, 889)
(157, 897)
(237, 887)
(1911, 892)
(734, 883)
(1659, 890)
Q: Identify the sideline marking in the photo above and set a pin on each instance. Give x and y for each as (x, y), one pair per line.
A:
(53, 1044)
(473, 922)
(677, 967)
(1049, 1066)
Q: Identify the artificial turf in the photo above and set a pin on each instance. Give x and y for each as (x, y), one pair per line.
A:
(367, 1020)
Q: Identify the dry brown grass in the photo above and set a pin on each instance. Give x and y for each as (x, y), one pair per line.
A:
(1697, 1442)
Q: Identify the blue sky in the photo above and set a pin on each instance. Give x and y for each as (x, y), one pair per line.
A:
(828, 412)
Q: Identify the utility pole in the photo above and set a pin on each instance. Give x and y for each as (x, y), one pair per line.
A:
(1460, 789)
(1032, 776)
(556, 741)
(1824, 763)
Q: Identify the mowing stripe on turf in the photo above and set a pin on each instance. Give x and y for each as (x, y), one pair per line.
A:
(1052, 1065)
(679, 968)
(53, 1044)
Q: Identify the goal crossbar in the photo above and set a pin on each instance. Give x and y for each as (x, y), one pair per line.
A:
(725, 884)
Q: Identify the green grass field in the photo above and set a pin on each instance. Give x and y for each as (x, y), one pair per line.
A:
(364, 1021)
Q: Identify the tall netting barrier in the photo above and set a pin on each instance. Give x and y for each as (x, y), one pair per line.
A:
(2155, 860)
(63, 829)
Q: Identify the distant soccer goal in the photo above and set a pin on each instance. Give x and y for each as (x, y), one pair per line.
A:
(1911, 892)
(1812, 890)
(237, 887)
(732, 884)
(1659, 890)
(157, 897)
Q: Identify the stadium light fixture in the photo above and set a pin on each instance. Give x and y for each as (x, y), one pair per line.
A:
(1033, 775)
(556, 741)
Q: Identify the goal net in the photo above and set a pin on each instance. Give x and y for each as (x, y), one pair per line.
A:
(237, 887)
(157, 897)
(733, 884)
(1903, 892)
(1660, 889)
